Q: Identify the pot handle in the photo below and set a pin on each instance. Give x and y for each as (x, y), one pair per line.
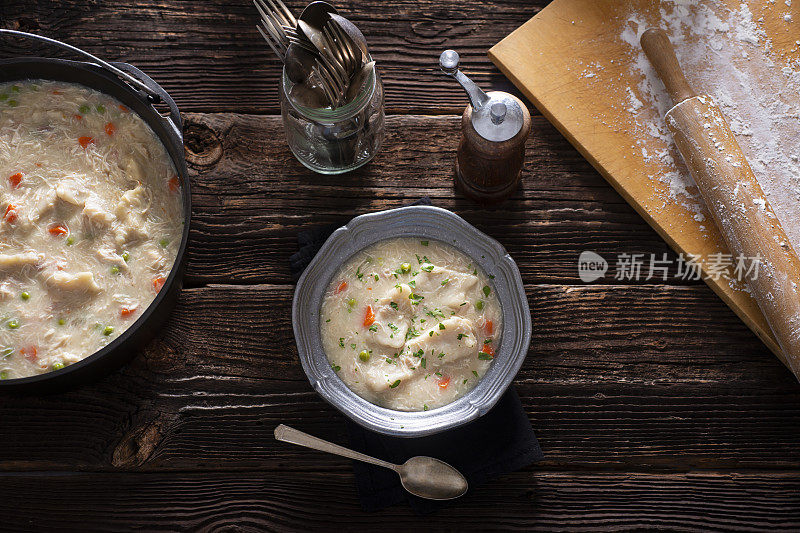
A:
(176, 122)
(129, 73)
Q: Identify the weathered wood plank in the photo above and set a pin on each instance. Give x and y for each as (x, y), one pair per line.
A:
(523, 501)
(210, 57)
(660, 378)
(251, 197)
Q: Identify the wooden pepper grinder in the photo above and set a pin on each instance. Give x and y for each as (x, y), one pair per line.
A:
(494, 129)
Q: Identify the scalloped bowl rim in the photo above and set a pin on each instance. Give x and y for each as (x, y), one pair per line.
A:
(424, 222)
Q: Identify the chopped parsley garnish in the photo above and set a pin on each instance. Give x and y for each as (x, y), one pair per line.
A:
(373, 327)
(441, 355)
(434, 312)
(424, 406)
(353, 346)
(393, 327)
(462, 305)
(487, 341)
(424, 243)
(445, 281)
(427, 267)
(376, 277)
(491, 276)
(423, 363)
(412, 332)
(475, 372)
(430, 333)
(484, 356)
(412, 283)
(438, 373)
(395, 384)
(336, 368)
(486, 290)
(393, 305)
(341, 342)
(441, 326)
(465, 380)
(479, 305)
(461, 336)
(415, 298)
(419, 353)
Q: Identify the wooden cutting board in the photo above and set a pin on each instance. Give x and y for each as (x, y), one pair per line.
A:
(547, 59)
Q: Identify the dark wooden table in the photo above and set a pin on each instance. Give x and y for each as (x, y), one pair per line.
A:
(655, 406)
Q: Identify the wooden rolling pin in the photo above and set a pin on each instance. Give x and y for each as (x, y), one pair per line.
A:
(733, 196)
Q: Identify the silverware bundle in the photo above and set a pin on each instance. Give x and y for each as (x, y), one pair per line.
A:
(324, 54)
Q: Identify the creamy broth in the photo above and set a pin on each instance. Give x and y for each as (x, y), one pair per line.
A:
(410, 324)
(90, 223)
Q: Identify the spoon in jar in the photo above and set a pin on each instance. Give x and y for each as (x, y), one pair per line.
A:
(425, 477)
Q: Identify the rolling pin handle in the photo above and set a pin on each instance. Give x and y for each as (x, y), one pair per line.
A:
(659, 51)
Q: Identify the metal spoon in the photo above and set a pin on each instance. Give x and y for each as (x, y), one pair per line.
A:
(353, 32)
(425, 477)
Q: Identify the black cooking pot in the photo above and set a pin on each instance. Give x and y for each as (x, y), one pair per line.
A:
(140, 95)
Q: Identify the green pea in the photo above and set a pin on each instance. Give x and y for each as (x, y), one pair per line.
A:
(3, 97)
(405, 268)
(479, 305)
(13, 103)
(163, 243)
(70, 241)
(364, 355)
(58, 365)
(13, 323)
(84, 109)
(351, 302)
(4, 374)
(115, 269)
(101, 108)
(126, 256)
(15, 88)
(108, 330)
(61, 321)
(25, 296)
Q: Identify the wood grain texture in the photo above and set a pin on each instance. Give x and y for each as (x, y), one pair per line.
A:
(523, 501)
(251, 197)
(618, 377)
(210, 57)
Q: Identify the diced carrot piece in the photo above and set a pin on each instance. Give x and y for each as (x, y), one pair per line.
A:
(77, 117)
(369, 317)
(341, 288)
(57, 92)
(58, 230)
(11, 214)
(444, 382)
(15, 179)
(85, 141)
(38, 165)
(158, 283)
(123, 108)
(29, 353)
(110, 128)
(174, 183)
(489, 327)
(125, 312)
(487, 349)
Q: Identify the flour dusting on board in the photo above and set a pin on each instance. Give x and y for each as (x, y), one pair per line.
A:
(725, 53)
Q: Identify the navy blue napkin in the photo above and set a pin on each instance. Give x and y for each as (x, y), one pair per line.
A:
(499, 442)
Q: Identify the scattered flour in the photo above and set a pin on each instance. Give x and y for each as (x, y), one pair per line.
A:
(725, 53)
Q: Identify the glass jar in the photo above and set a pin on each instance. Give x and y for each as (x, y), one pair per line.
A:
(333, 141)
